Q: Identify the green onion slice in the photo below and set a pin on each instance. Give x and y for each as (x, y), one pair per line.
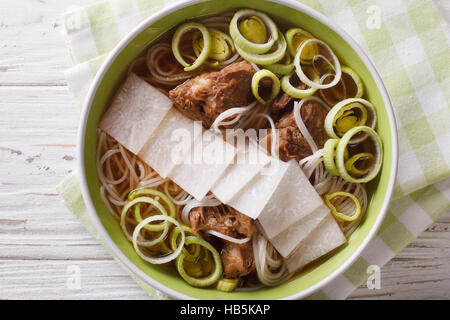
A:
(254, 28)
(340, 215)
(350, 163)
(222, 46)
(295, 38)
(304, 78)
(173, 239)
(227, 285)
(154, 194)
(267, 58)
(282, 69)
(329, 150)
(350, 86)
(203, 56)
(257, 77)
(341, 149)
(163, 227)
(209, 280)
(293, 91)
(165, 258)
(347, 114)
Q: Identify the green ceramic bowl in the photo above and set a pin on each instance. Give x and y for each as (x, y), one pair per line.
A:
(113, 71)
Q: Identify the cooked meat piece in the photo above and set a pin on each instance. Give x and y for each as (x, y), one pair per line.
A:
(284, 99)
(223, 219)
(238, 259)
(281, 102)
(313, 115)
(291, 143)
(206, 96)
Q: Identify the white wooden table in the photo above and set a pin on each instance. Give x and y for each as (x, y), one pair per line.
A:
(41, 242)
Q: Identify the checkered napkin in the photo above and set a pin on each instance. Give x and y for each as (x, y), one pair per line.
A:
(408, 41)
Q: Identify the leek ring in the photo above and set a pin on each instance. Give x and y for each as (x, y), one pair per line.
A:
(267, 58)
(340, 215)
(350, 163)
(329, 150)
(163, 259)
(294, 92)
(173, 238)
(155, 193)
(292, 47)
(338, 110)
(246, 45)
(201, 59)
(257, 77)
(340, 155)
(357, 81)
(304, 78)
(205, 281)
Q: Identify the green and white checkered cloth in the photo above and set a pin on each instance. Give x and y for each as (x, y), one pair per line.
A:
(408, 40)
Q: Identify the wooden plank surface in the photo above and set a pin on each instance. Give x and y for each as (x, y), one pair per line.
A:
(41, 242)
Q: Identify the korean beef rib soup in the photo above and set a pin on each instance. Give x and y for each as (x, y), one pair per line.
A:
(237, 152)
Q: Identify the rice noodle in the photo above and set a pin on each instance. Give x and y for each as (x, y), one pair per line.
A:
(225, 63)
(270, 265)
(133, 65)
(107, 203)
(180, 197)
(274, 142)
(234, 113)
(301, 125)
(251, 120)
(175, 75)
(208, 201)
(255, 66)
(151, 183)
(228, 238)
(325, 183)
(120, 172)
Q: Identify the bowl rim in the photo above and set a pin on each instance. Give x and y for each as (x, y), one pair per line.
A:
(134, 33)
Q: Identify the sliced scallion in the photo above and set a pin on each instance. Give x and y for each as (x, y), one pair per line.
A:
(203, 56)
(265, 58)
(255, 28)
(350, 163)
(347, 114)
(257, 77)
(335, 65)
(341, 149)
(210, 279)
(295, 38)
(339, 215)
(329, 150)
(165, 258)
(295, 92)
(227, 285)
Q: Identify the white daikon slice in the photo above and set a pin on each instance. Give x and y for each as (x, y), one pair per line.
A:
(203, 165)
(250, 160)
(327, 237)
(289, 239)
(135, 113)
(294, 199)
(172, 139)
(254, 196)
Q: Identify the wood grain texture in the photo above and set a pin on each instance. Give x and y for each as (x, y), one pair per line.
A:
(41, 241)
